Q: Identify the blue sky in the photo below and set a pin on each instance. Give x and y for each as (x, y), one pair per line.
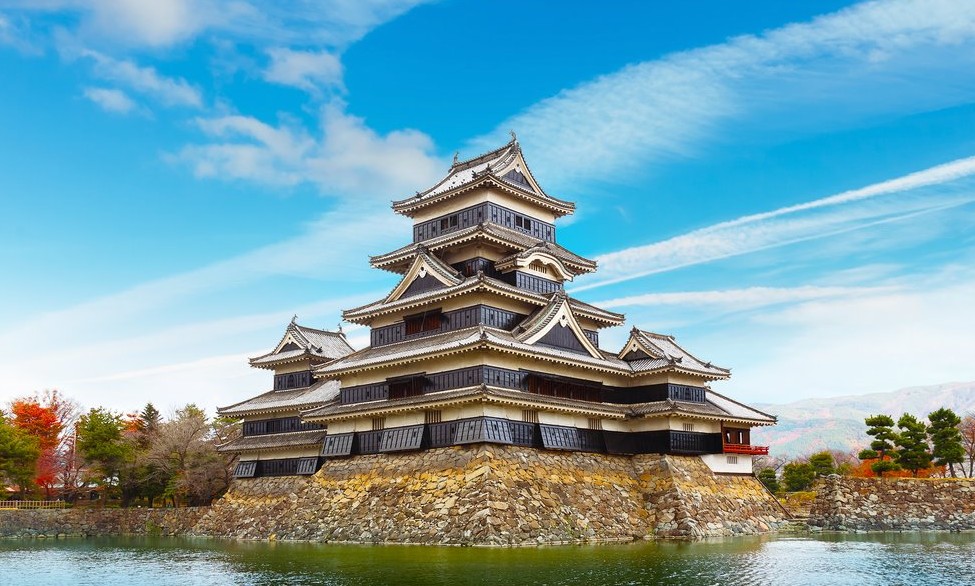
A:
(789, 188)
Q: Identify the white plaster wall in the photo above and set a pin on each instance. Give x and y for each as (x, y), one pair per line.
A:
(728, 463)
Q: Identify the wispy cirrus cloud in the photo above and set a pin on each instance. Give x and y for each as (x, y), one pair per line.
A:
(741, 299)
(936, 188)
(863, 62)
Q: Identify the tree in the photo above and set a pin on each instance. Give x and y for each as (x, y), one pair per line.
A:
(185, 450)
(914, 453)
(822, 464)
(767, 477)
(19, 452)
(967, 429)
(881, 428)
(798, 476)
(946, 439)
(101, 443)
(46, 416)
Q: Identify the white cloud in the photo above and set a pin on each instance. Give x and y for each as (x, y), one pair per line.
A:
(170, 91)
(932, 189)
(853, 345)
(740, 299)
(347, 159)
(859, 63)
(311, 71)
(111, 100)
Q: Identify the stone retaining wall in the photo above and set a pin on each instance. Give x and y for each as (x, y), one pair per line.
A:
(495, 495)
(86, 522)
(902, 504)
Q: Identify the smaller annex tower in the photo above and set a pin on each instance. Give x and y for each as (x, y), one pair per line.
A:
(479, 343)
(275, 441)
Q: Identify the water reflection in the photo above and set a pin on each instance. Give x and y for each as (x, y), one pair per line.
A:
(861, 560)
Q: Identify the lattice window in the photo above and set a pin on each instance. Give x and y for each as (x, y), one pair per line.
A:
(595, 423)
(378, 423)
(529, 416)
(732, 459)
(688, 427)
(432, 416)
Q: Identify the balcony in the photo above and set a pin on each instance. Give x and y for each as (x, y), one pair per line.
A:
(746, 449)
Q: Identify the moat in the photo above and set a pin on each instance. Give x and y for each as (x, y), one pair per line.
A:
(915, 558)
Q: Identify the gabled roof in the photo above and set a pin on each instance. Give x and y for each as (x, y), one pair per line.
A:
(476, 283)
(504, 168)
(399, 260)
(300, 342)
(423, 265)
(557, 314)
(542, 253)
(651, 351)
(287, 400)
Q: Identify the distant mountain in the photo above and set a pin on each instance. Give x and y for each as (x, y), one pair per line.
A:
(813, 425)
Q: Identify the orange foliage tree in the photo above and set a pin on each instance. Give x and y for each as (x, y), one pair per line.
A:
(45, 416)
(865, 470)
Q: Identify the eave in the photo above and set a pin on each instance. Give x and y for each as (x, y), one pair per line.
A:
(409, 207)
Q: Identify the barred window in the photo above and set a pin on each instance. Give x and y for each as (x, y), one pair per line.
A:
(378, 423)
(432, 416)
(595, 423)
(529, 416)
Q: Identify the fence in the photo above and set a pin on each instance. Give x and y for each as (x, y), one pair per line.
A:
(33, 505)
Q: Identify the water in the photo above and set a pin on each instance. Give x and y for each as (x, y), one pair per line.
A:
(830, 559)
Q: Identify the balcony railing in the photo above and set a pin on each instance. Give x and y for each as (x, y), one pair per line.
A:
(746, 449)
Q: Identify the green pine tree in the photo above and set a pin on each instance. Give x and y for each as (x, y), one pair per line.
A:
(946, 439)
(823, 464)
(767, 477)
(913, 453)
(881, 428)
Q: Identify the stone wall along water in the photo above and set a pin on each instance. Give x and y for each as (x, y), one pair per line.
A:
(889, 504)
(88, 522)
(495, 495)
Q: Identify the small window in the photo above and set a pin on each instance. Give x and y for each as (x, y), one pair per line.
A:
(595, 423)
(424, 322)
(453, 221)
(529, 416)
(688, 427)
(378, 423)
(528, 224)
(432, 416)
(732, 459)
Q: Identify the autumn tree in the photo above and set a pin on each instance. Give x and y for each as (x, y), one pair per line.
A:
(946, 439)
(881, 428)
(46, 416)
(185, 449)
(19, 452)
(967, 429)
(913, 452)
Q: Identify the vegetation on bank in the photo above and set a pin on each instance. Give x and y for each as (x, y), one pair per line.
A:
(50, 450)
(942, 447)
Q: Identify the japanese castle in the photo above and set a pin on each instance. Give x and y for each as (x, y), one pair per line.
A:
(479, 343)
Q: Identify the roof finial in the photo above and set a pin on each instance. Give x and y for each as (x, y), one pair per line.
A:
(514, 137)
(294, 318)
(456, 157)
(340, 327)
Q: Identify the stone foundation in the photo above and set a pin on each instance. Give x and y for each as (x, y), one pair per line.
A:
(902, 504)
(495, 495)
(88, 522)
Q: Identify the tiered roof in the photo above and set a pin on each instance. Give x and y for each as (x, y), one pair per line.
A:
(283, 401)
(504, 168)
(647, 351)
(399, 260)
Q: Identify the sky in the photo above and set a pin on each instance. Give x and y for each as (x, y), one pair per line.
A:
(786, 187)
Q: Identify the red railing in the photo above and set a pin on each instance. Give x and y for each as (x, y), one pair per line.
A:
(746, 449)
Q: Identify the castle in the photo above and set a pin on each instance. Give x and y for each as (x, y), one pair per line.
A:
(479, 343)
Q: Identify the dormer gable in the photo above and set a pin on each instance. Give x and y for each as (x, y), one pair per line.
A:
(539, 258)
(300, 343)
(556, 325)
(425, 274)
(659, 350)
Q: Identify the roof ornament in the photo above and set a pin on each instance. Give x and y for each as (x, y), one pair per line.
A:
(514, 137)
(456, 157)
(294, 318)
(340, 327)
